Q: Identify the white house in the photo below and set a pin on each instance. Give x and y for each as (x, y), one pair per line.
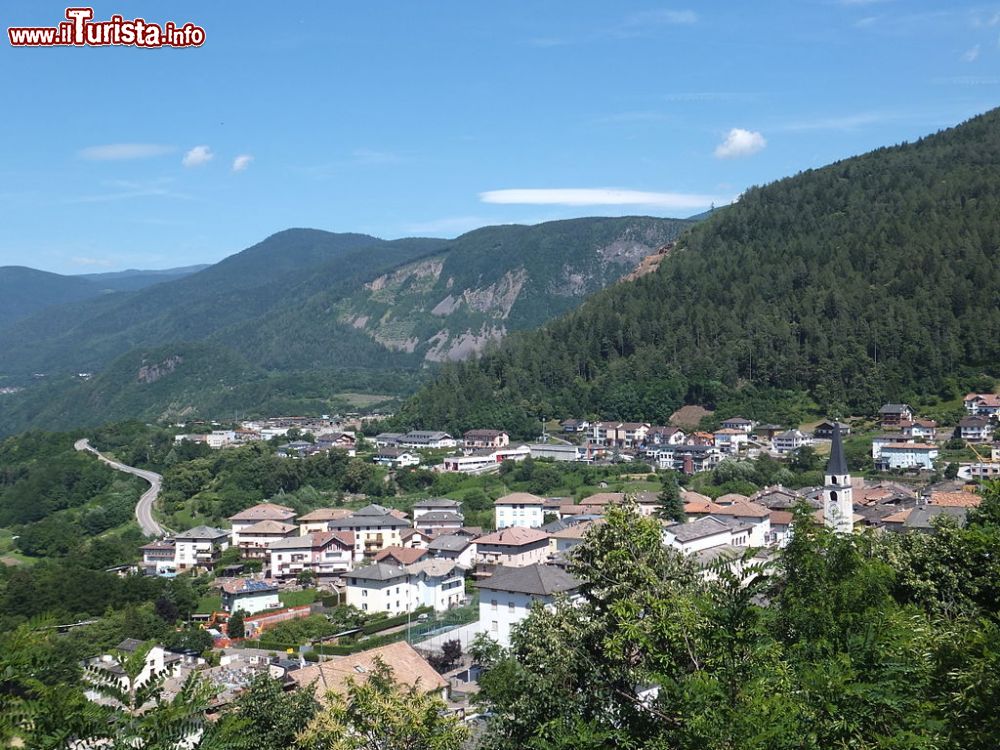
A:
(982, 404)
(427, 439)
(975, 429)
(457, 547)
(706, 532)
(743, 512)
(396, 458)
(320, 519)
(486, 439)
(158, 558)
(158, 661)
(908, 456)
(924, 430)
(249, 596)
(558, 451)
(507, 596)
(374, 527)
(440, 522)
(434, 505)
(738, 423)
(256, 514)
(729, 439)
(790, 440)
(380, 587)
(519, 509)
(890, 438)
(322, 552)
(437, 583)
(199, 548)
(256, 538)
(514, 546)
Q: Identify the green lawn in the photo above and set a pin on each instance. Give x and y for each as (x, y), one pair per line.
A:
(8, 552)
(297, 598)
(211, 602)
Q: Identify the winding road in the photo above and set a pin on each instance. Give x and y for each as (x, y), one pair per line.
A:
(144, 508)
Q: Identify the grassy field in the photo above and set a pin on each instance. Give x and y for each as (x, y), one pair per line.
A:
(297, 598)
(211, 602)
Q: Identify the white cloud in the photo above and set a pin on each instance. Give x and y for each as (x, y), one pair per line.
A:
(599, 197)
(739, 143)
(120, 151)
(971, 54)
(197, 156)
(241, 162)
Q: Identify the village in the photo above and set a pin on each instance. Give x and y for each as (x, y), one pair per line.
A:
(422, 585)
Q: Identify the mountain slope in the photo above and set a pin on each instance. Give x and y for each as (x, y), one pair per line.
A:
(25, 291)
(133, 279)
(245, 286)
(872, 279)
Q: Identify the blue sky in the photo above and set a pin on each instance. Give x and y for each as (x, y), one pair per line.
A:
(406, 118)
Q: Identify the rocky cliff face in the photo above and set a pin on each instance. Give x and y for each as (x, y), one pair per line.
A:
(450, 307)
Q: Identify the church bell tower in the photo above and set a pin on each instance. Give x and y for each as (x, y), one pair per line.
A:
(838, 498)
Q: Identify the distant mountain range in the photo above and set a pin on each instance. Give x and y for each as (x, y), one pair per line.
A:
(300, 304)
(26, 291)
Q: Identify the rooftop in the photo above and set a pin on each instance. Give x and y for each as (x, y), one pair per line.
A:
(248, 586)
(264, 512)
(380, 571)
(537, 579)
(514, 536)
(408, 668)
(519, 498)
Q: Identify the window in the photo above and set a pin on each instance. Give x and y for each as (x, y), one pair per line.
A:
(364, 607)
(364, 592)
(494, 626)
(493, 604)
(510, 606)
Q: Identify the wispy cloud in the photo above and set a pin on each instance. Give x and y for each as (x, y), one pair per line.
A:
(197, 156)
(972, 54)
(837, 122)
(739, 143)
(241, 162)
(599, 197)
(123, 151)
(116, 190)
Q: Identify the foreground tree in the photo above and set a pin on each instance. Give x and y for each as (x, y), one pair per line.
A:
(379, 714)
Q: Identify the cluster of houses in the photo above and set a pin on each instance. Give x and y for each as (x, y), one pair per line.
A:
(327, 433)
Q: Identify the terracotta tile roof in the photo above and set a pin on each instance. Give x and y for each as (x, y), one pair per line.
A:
(731, 497)
(701, 507)
(519, 498)
(408, 667)
(264, 512)
(898, 517)
(325, 514)
(744, 509)
(690, 496)
(781, 517)
(955, 499)
(513, 536)
(603, 498)
(909, 447)
(402, 555)
(268, 527)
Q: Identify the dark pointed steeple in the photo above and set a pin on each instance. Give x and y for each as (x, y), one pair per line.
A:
(838, 464)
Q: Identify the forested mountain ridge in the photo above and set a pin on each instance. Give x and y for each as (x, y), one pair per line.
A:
(282, 323)
(867, 280)
(26, 291)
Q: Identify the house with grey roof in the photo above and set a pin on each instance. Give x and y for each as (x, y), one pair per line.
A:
(460, 548)
(506, 598)
(199, 548)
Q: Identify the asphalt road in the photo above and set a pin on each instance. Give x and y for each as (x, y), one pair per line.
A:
(144, 508)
